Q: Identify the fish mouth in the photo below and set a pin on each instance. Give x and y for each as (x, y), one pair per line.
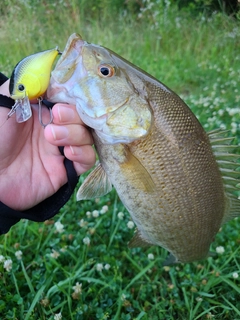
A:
(69, 59)
(62, 77)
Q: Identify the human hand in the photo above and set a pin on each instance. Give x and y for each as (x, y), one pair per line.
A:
(31, 166)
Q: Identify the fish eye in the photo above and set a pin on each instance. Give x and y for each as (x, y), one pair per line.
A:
(106, 71)
(21, 87)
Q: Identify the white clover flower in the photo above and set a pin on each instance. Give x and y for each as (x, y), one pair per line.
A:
(220, 112)
(220, 250)
(107, 266)
(91, 230)
(58, 316)
(88, 214)
(166, 268)
(235, 275)
(63, 249)
(83, 223)
(18, 254)
(123, 297)
(59, 226)
(86, 240)
(99, 267)
(104, 209)
(95, 213)
(78, 288)
(2, 259)
(54, 254)
(130, 224)
(209, 315)
(120, 215)
(151, 256)
(222, 126)
(7, 265)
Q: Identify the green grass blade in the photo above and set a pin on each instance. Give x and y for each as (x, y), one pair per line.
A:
(34, 302)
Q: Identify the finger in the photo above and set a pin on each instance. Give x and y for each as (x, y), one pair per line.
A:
(83, 157)
(65, 114)
(71, 134)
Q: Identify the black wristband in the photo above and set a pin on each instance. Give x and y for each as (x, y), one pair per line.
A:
(4, 100)
(3, 78)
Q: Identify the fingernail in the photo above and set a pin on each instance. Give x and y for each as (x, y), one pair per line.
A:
(65, 114)
(53, 132)
(59, 132)
(72, 150)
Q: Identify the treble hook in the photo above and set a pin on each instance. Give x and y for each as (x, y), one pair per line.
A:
(12, 111)
(40, 101)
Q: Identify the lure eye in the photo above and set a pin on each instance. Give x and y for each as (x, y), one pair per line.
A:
(21, 87)
(106, 71)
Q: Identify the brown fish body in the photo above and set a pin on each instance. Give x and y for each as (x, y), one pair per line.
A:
(151, 148)
(181, 209)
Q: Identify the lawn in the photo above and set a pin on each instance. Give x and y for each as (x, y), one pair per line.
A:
(78, 265)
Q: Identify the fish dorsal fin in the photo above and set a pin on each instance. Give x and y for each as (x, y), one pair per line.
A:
(139, 241)
(233, 208)
(97, 184)
(229, 168)
(219, 134)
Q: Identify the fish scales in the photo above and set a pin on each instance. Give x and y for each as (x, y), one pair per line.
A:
(179, 169)
(151, 148)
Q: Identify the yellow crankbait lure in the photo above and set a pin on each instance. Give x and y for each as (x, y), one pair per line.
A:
(29, 80)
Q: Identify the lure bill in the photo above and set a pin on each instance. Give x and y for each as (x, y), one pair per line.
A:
(23, 110)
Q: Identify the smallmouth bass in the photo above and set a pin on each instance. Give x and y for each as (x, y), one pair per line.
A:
(175, 180)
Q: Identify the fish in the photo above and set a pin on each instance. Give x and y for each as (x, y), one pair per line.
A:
(29, 80)
(177, 181)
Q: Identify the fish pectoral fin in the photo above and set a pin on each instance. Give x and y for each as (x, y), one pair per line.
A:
(137, 174)
(212, 254)
(97, 184)
(171, 259)
(139, 241)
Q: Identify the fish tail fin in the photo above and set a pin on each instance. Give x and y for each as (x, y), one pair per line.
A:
(229, 167)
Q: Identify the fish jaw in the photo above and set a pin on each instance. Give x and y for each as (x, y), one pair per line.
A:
(69, 69)
(116, 118)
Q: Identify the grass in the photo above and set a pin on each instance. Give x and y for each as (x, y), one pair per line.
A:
(87, 271)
